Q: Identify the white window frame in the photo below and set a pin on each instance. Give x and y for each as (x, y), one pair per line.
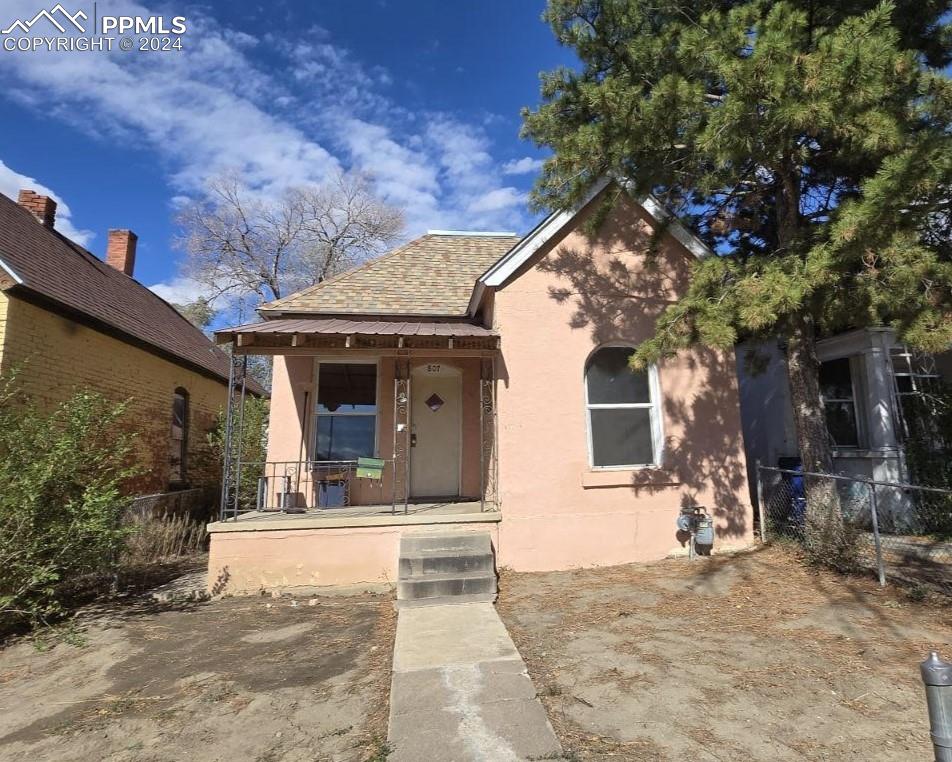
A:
(654, 414)
(315, 409)
(859, 413)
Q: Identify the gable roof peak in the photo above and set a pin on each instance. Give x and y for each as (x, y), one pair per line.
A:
(504, 268)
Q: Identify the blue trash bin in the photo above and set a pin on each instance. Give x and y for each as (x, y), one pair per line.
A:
(795, 488)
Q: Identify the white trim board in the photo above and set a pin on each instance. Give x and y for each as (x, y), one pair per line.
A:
(9, 271)
(522, 252)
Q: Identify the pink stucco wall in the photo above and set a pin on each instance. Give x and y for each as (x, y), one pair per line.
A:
(557, 511)
(250, 561)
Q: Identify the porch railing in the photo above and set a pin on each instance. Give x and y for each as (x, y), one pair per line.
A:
(293, 486)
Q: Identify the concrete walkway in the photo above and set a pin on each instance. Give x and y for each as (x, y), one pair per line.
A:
(460, 690)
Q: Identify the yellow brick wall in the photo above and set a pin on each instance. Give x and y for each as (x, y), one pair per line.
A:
(4, 301)
(56, 356)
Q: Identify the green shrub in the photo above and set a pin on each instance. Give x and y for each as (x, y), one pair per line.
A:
(250, 448)
(61, 502)
(928, 448)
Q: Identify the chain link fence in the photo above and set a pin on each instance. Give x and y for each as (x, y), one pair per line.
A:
(901, 532)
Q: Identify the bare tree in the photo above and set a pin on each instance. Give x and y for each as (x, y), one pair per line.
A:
(242, 245)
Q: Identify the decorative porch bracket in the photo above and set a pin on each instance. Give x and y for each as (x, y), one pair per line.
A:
(234, 430)
(488, 455)
(401, 434)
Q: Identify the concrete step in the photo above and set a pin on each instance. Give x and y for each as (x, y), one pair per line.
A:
(442, 585)
(447, 600)
(440, 561)
(421, 542)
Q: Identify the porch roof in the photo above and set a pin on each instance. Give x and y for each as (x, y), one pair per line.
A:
(298, 330)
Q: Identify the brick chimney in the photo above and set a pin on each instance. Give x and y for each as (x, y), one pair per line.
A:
(42, 207)
(121, 250)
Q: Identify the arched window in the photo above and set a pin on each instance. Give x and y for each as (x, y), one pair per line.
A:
(624, 423)
(178, 442)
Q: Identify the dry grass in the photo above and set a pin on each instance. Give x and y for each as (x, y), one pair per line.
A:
(756, 656)
(160, 538)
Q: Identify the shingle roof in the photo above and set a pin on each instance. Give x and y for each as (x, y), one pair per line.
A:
(432, 275)
(51, 266)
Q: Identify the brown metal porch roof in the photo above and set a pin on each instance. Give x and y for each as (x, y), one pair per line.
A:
(342, 327)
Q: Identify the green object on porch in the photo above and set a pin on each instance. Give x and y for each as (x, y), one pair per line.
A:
(369, 468)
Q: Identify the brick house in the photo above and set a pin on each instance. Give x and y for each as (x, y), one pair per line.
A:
(69, 320)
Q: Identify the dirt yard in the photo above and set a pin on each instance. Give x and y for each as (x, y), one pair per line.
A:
(233, 680)
(727, 658)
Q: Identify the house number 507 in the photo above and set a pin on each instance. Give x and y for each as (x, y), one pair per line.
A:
(432, 368)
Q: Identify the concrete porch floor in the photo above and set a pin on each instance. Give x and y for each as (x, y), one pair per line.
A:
(445, 512)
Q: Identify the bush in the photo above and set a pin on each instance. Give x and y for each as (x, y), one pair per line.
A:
(250, 450)
(929, 456)
(61, 504)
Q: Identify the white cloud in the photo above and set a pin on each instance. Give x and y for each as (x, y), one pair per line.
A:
(12, 182)
(498, 200)
(179, 290)
(524, 166)
(201, 109)
(478, 199)
(215, 106)
(404, 176)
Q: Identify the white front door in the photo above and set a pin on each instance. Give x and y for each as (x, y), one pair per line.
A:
(436, 422)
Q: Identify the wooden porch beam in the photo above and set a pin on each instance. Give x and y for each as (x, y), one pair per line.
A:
(366, 351)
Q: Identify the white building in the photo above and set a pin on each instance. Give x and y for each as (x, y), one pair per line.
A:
(864, 376)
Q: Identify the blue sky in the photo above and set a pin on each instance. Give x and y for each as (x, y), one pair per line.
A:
(422, 94)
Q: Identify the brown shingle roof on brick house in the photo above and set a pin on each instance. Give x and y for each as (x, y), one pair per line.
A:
(39, 264)
(431, 276)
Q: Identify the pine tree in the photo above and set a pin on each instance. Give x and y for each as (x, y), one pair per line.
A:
(808, 143)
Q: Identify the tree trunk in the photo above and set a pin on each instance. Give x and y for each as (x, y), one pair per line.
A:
(803, 373)
(828, 540)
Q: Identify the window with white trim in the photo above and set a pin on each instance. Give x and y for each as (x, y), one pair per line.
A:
(624, 427)
(346, 410)
(838, 392)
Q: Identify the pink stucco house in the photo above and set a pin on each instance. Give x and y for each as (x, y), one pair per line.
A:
(488, 374)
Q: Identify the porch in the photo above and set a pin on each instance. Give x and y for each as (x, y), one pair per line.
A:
(377, 429)
(382, 515)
